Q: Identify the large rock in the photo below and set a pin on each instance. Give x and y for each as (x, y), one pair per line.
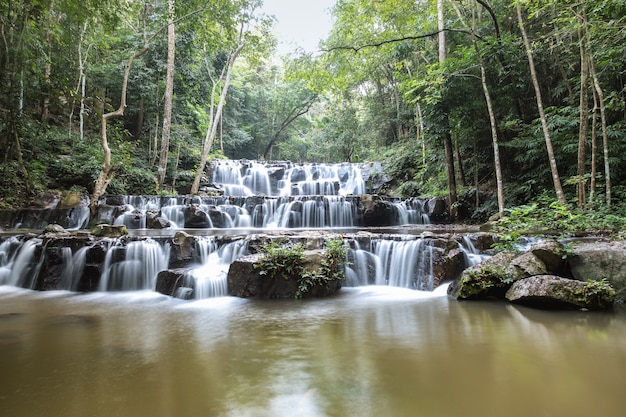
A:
(488, 279)
(245, 280)
(176, 283)
(553, 292)
(195, 218)
(600, 259)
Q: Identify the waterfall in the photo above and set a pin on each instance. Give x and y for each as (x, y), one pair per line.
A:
(397, 263)
(20, 268)
(134, 266)
(210, 276)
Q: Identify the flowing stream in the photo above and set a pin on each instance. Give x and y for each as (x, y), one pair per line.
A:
(100, 341)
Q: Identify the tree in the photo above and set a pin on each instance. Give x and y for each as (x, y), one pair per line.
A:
(542, 115)
(169, 92)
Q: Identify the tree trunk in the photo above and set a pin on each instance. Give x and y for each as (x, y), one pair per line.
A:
(584, 115)
(212, 130)
(106, 172)
(603, 124)
(447, 139)
(492, 116)
(459, 163)
(594, 148)
(169, 92)
(542, 115)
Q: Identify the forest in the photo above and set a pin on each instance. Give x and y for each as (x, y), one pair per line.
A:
(508, 108)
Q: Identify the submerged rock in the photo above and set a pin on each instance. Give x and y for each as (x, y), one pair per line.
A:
(553, 292)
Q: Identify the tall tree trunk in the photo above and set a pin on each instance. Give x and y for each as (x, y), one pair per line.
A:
(594, 148)
(490, 111)
(583, 129)
(45, 106)
(603, 124)
(106, 172)
(169, 92)
(542, 115)
(459, 162)
(212, 130)
(447, 139)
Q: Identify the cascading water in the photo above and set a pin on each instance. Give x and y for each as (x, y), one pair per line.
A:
(256, 195)
(210, 277)
(134, 266)
(397, 263)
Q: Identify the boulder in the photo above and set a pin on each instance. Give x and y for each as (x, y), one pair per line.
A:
(488, 279)
(376, 211)
(246, 280)
(553, 292)
(195, 218)
(176, 283)
(154, 220)
(600, 259)
(55, 229)
(182, 250)
(108, 230)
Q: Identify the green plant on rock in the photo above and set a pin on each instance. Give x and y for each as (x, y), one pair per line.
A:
(282, 258)
(595, 293)
(331, 268)
(287, 260)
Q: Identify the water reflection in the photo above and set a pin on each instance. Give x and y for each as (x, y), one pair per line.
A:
(366, 352)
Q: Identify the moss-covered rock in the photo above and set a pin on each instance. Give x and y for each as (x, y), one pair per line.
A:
(553, 292)
(485, 280)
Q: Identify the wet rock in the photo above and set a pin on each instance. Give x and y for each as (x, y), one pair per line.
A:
(108, 230)
(195, 218)
(183, 249)
(155, 221)
(55, 229)
(245, 280)
(170, 282)
(376, 211)
(553, 292)
(436, 208)
(488, 279)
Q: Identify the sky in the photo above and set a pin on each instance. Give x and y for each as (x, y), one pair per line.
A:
(300, 23)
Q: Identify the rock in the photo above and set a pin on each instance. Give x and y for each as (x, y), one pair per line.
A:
(195, 218)
(71, 199)
(553, 292)
(600, 259)
(525, 265)
(155, 221)
(175, 282)
(108, 230)
(55, 229)
(552, 253)
(376, 211)
(245, 280)
(436, 207)
(487, 279)
(183, 249)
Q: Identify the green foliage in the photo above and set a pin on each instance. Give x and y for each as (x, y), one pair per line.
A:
(281, 258)
(595, 293)
(286, 260)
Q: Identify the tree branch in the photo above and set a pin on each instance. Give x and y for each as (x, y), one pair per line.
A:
(405, 38)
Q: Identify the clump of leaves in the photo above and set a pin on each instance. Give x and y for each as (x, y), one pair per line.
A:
(597, 293)
(287, 260)
(331, 269)
(281, 257)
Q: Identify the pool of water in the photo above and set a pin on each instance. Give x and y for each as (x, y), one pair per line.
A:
(369, 351)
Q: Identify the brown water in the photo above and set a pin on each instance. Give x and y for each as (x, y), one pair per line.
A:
(367, 352)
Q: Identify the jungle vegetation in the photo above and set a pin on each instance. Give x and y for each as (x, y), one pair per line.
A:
(506, 107)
